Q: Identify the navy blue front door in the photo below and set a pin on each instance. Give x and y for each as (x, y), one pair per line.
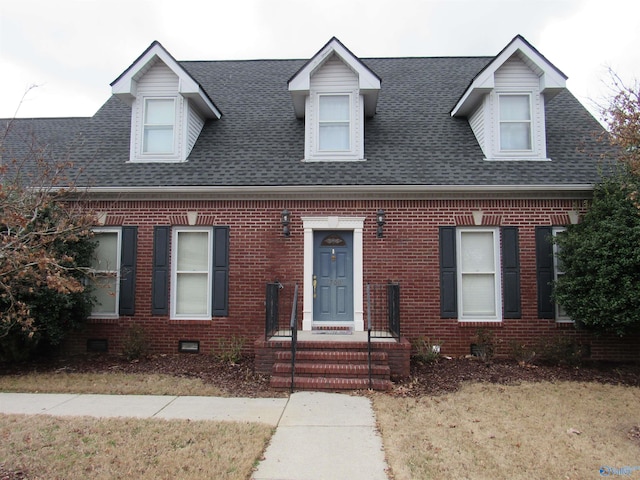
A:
(333, 276)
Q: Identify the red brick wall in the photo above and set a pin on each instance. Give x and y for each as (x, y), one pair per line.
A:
(408, 254)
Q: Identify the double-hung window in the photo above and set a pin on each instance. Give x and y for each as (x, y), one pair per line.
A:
(159, 126)
(105, 278)
(515, 122)
(192, 270)
(334, 123)
(478, 259)
(558, 271)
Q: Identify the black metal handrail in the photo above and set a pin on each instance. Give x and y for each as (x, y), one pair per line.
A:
(369, 333)
(279, 299)
(393, 310)
(272, 309)
(383, 305)
(294, 334)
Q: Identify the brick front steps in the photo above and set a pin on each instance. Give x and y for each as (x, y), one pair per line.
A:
(339, 364)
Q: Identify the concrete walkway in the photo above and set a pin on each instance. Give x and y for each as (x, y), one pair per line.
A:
(318, 435)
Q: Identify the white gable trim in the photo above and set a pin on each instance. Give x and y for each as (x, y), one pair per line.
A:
(552, 80)
(368, 82)
(125, 86)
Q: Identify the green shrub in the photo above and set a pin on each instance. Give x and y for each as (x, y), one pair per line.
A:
(561, 350)
(600, 288)
(54, 313)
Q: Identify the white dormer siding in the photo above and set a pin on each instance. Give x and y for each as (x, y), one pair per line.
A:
(159, 82)
(194, 125)
(334, 75)
(506, 100)
(333, 92)
(477, 122)
(514, 77)
(156, 83)
(167, 105)
(334, 79)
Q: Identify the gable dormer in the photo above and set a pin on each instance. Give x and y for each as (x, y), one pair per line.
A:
(168, 107)
(334, 92)
(505, 103)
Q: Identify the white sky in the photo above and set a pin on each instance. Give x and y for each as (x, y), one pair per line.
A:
(73, 49)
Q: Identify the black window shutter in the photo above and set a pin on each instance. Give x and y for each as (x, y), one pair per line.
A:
(160, 273)
(511, 273)
(220, 293)
(448, 276)
(128, 270)
(544, 272)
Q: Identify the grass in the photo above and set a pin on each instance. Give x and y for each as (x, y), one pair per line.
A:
(487, 431)
(108, 383)
(481, 431)
(81, 448)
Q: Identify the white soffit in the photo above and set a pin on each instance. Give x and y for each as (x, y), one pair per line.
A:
(552, 80)
(125, 86)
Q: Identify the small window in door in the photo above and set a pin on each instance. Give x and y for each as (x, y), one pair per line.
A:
(333, 240)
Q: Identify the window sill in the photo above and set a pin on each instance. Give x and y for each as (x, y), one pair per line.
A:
(517, 159)
(565, 324)
(104, 320)
(190, 321)
(333, 159)
(480, 323)
(156, 160)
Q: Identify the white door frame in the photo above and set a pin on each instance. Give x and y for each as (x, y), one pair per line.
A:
(354, 224)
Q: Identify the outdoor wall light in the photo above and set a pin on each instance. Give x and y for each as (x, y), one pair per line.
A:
(286, 218)
(380, 221)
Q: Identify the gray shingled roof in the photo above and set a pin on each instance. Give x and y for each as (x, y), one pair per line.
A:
(412, 140)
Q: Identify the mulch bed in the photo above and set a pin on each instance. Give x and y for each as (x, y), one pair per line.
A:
(447, 375)
(239, 379)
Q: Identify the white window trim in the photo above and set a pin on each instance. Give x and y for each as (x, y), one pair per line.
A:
(530, 121)
(532, 152)
(118, 232)
(143, 125)
(174, 273)
(560, 318)
(137, 154)
(356, 128)
(497, 275)
(490, 142)
(349, 121)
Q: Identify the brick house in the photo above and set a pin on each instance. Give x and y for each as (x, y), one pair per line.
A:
(443, 177)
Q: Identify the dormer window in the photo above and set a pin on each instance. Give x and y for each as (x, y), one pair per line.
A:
(505, 103)
(334, 92)
(168, 107)
(515, 122)
(159, 125)
(334, 124)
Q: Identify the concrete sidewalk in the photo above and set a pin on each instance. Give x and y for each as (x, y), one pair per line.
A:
(318, 435)
(264, 410)
(324, 436)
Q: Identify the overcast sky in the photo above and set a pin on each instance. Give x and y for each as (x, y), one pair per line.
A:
(73, 49)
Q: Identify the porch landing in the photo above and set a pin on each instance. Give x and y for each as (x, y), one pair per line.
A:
(333, 336)
(332, 361)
